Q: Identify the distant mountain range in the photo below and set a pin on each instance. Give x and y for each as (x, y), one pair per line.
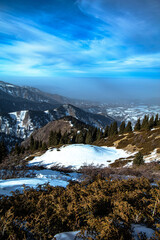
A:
(25, 109)
(22, 123)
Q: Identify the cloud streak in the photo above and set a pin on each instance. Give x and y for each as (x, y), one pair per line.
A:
(102, 38)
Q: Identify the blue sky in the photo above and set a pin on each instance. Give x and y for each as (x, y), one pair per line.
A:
(53, 42)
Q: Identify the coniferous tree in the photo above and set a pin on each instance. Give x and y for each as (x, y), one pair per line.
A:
(80, 138)
(40, 144)
(151, 122)
(138, 125)
(55, 139)
(138, 160)
(73, 139)
(99, 134)
(31, 142)
(88, 139)
(94, 134)
(23, 149)
(122, 128)
(17, 149)
(110, 130)
(145, 123)
(64, 139)
(3, 151)
(58, 136)
(36, 145)
(51, 138)
(113, 129)
(156, 120)
(128, 128)
(106, 132)
(44, 146)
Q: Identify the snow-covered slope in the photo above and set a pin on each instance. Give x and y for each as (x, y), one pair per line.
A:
(77, 155)
(22, 123)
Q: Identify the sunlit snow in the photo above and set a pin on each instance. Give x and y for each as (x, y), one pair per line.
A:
(77, 155)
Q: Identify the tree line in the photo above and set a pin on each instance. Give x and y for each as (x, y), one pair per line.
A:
(146, 124)
(90, 134)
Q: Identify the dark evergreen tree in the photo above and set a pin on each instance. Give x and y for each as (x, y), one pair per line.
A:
(156, 120)
(138, 160)
(23, 149)
(73, 139)
(58, 136)
(88, 139)
(65, 139)
(51, 138)
(17, 149)
(145, 123)
(36, 145)
(94, 134)
(110, 130)
(151, 122)
(138, 125)
(122, 128)
(3, 151)
(54, 138)
(106, 131)
(31, 142)
(44, 146)
(99, 134)
(128, 128)
(113, 129)
(80, 138)
(40, 144)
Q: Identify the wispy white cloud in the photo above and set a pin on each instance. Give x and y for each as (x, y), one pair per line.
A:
(32, 51)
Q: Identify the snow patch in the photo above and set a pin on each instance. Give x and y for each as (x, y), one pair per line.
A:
(77, 155)
(66, 235)
(154, 156)
(6, 186)
(137, 228)
(54, 178)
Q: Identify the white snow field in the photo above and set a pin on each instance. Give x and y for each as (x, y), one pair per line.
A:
(54, 178)
(77, 155)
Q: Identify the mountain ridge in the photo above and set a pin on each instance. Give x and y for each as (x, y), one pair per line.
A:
(21, 124)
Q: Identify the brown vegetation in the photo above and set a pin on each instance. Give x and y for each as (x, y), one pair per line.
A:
(104, 209)
(145, 141)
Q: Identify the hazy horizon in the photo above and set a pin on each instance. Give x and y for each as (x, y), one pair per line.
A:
(93, 90)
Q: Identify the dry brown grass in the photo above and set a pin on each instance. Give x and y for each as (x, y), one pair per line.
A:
(146, 141)
(150, 171)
